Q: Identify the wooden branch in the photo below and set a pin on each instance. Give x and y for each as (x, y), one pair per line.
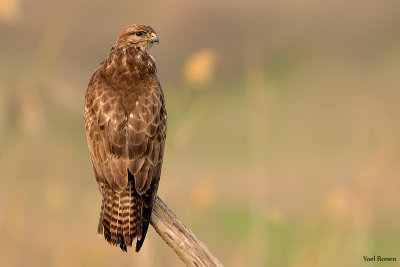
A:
(185, 244)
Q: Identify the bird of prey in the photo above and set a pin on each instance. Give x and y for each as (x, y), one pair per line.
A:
(125, 120)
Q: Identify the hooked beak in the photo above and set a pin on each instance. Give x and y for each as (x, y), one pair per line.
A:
(154, 38)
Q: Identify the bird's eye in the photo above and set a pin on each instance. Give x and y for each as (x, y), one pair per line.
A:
(139, 33)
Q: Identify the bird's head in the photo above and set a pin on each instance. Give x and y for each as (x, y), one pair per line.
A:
(141, 36)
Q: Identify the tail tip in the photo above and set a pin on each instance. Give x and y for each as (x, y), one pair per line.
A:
(139, 243)
(122, 245)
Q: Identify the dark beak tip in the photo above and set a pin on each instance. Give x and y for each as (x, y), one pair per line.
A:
(154, 39)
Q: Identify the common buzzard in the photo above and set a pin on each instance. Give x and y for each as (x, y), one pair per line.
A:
(125, 120)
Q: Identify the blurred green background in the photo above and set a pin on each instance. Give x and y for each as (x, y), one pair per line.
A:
(283, 129)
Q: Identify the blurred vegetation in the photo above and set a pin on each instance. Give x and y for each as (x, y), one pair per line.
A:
(283, 128)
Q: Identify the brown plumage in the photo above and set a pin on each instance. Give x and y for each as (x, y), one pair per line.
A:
(125, 121)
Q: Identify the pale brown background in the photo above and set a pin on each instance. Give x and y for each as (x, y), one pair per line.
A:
(283, 133)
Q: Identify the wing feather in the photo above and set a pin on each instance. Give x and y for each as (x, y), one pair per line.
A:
(105, 121)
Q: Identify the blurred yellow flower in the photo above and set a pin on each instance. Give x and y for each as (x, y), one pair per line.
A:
(337, 204)
(9, 10)
(199, 68)
(203, 194)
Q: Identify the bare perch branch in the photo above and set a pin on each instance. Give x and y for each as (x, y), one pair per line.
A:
(185, 244)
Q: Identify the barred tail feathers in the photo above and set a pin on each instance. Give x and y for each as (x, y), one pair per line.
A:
(124, 216)
(115, 218)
